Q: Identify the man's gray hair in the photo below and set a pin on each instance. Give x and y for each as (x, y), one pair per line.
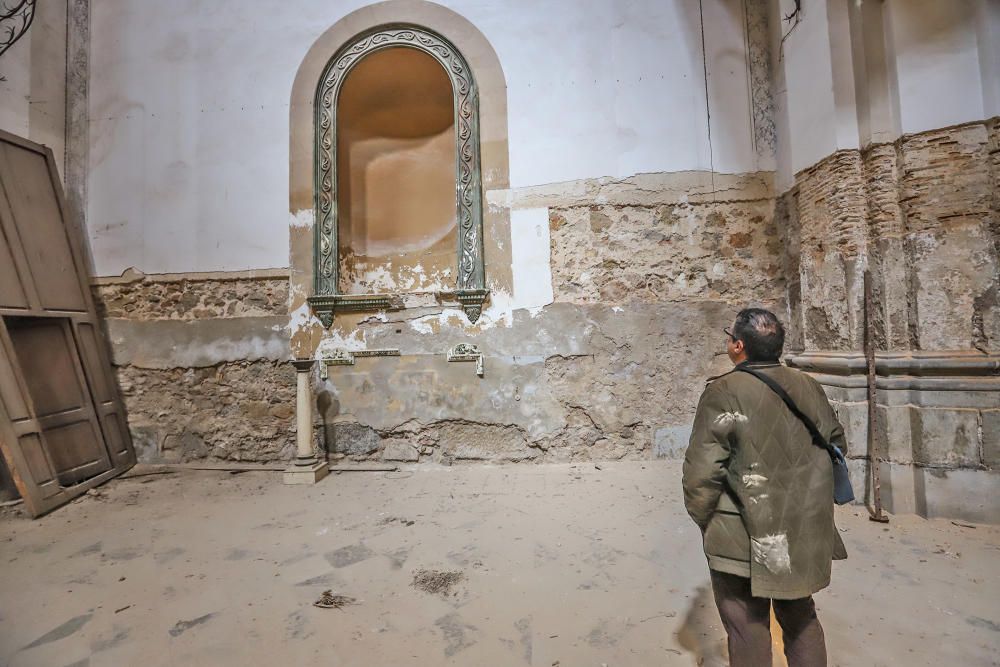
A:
(762, 334)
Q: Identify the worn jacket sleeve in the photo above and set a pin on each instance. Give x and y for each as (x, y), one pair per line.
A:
(707, 456)
(828, 422)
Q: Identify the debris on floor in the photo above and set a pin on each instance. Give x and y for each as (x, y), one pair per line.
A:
(436, 581)
(330, 601)
(396, 519)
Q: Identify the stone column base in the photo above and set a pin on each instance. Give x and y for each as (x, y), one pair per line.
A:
(310, 474)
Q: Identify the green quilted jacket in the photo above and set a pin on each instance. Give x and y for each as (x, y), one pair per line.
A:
(761, 492)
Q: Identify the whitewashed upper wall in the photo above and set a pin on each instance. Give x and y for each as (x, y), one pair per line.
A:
(851, 73)
(189, 111)
(33, 80)
(935, 58)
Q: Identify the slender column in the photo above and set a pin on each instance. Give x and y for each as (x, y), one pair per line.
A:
(305, 469)
(303, 413)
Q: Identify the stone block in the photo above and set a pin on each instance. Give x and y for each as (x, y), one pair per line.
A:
(400, 450)
(484, 442)
(355, 439)
(857, 470)
(146, 441)
(854, 418)
(947, 438)
(969, 495)
(670, 442)
(305, 474)
(893, 432)
(256, 409)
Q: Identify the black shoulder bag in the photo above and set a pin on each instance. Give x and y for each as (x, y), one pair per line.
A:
(842, 490)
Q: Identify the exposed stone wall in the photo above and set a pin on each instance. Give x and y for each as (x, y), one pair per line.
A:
(887, 248)
(920, 214)
(226, 401)
(786, 219)
(831, 220)
(614, 254)
(192, 299)
(242, 411)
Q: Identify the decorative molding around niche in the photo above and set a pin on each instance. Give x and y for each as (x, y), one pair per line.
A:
(470, 289)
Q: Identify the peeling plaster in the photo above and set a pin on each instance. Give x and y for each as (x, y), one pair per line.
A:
(335, 339)
(303, 218)
(531, 258)
(301, 318)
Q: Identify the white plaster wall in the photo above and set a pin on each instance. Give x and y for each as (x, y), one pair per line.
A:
(935, 57)
(807, 98)
(851, 74)
(988, 35)
(33, 94)
(530, 258)
(189, 111)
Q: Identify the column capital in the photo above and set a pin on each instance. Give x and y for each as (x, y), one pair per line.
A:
(303, 365)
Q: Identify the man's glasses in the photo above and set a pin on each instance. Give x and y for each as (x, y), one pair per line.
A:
(730, 334)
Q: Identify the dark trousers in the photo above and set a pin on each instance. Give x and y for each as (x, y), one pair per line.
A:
(748, 623)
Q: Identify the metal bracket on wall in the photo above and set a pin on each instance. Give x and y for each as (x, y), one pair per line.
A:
(467, 352)
(344, 357)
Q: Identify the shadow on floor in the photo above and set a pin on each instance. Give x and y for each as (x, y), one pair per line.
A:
(703, 636)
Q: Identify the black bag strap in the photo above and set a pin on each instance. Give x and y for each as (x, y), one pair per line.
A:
(817, 437)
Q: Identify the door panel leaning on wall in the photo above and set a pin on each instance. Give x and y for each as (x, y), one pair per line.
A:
(62, 422)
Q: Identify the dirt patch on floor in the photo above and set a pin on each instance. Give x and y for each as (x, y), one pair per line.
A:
(330, 601)
(437, 582)
(396, 519)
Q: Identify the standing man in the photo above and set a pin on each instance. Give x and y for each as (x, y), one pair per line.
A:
(762, 494)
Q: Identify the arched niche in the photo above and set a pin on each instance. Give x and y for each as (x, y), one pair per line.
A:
(470, 282)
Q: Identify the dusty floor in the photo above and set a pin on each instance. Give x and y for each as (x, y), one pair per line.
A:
(557, 565)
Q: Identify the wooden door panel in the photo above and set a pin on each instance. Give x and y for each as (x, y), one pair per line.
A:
(38, 465)
(77, 451)
(47, 364)
(110, 415)
(10, 390)
(18, 263)
(62, 421)
(112, 424)
(63, 413)
(11, 293)
(100, 382)
(42, 234)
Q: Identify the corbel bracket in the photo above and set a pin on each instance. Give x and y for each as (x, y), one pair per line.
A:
(467, 352)
(326, 305)
(472, 301)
